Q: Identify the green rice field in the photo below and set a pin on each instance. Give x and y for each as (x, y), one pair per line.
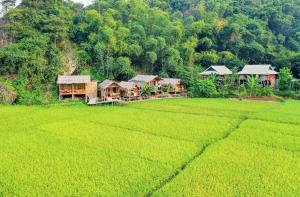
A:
(176, 147)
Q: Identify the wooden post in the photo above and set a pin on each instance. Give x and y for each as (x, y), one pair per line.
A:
(72, 91)
(85, 91)
(59, 96)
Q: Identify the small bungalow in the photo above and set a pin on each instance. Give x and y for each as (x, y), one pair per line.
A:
(129, 90)
(109, 90)
(266, 74)
(77, 87)
(147, 79)
(219, 70)
(177, 86)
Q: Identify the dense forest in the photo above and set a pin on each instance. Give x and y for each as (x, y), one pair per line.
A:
(116, 39)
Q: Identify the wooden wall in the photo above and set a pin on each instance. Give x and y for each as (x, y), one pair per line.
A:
(91, 89)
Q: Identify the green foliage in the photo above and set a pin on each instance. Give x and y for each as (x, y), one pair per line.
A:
(253, 88)
(122, 70)
(167, 88)
(229, 85)
(39, 32)
(252, 85)
(285, 79)
(28, 59)
(266, 91)
(203, 88)
(147, 90)
(115, 39)
(7, 92)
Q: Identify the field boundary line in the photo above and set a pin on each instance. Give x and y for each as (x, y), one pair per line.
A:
(196, 156)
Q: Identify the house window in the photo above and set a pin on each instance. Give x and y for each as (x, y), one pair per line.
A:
(114, 90)
(79, 86)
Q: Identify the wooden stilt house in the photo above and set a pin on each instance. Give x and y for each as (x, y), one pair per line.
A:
(177, 86)
(147, 79)
(77, 87)
(129, 90)
(265, 73)
(109, 90)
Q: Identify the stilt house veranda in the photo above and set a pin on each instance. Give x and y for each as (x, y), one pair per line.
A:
(77, 87)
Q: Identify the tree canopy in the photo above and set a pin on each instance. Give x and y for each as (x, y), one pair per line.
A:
(116, 39)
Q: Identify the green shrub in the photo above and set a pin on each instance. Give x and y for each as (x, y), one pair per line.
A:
(243, 91)
(34, 94)
(204, 88)
(287, 93)
(265, 91)
(7, 92)
(252, 86)
(285, 79)
(167, 88)
(147, 90)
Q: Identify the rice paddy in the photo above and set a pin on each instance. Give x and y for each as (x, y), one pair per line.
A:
(178, 147)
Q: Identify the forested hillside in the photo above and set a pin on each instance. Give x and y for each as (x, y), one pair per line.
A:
(118, 38)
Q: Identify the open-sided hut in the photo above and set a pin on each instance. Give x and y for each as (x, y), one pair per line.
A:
(77, 87)
(109, 90)
(176, 84)
(129, 90)
(265, 73)
(219, 70)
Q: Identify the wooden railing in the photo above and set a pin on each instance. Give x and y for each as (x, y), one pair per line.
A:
(72, 91)
(114, 94)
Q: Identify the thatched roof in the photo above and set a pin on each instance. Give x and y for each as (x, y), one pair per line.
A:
(258, 70)
(127, 85)
(171, 81)
(77, 79)
(144, 78)
(218, 70)
(105, 84)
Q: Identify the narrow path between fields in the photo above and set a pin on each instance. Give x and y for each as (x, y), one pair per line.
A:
(196, 156)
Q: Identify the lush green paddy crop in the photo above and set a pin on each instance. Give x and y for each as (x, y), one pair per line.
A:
(179, 147)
